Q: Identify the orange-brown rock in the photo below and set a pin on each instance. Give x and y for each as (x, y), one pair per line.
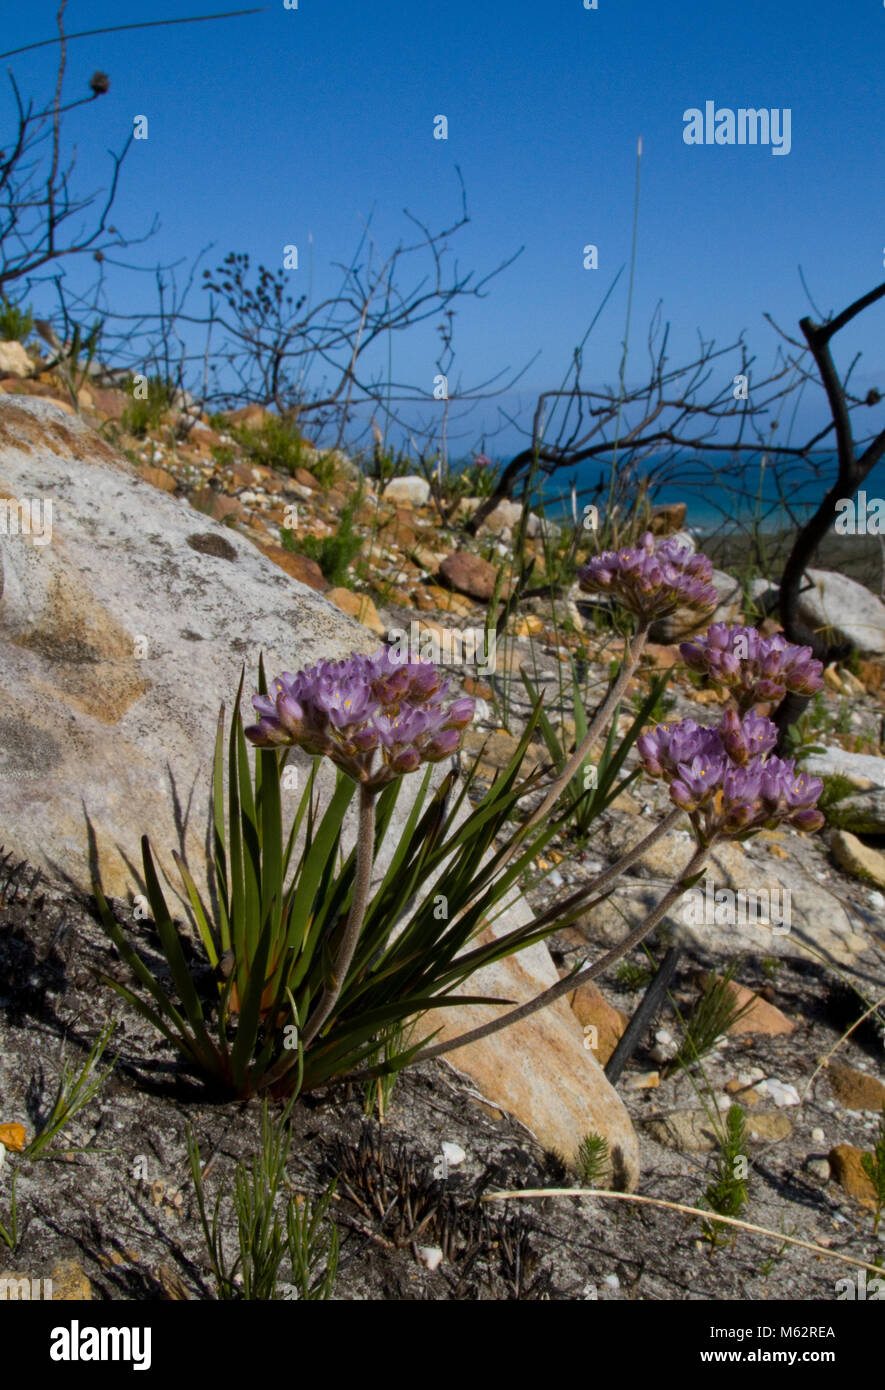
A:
(216, 505)
(593, 1011)
(761, 1017)
(158, 477)
(854, 1089)
(358, 606)
(299, 567)
(846, 1165)
(469, 574)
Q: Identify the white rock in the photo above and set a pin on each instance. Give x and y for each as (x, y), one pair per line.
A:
(684, 539)
(505, 516)
(863, 810)
(430, 1255)
(453, 1153)
(14, 361)
(819, 1167)
(781, 1092)
(411, 489)
(818, 1135)
(845, 606)
(612, 1281)
(863, 768)
(541, 526)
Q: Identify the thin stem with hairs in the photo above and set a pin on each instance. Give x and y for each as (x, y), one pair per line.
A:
(600, 719)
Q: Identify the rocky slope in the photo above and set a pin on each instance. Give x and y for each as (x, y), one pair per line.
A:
(168, 569)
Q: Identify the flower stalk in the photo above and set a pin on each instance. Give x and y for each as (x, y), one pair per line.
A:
(572, 982)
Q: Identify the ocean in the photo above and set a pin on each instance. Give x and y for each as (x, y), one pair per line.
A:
(722, 498)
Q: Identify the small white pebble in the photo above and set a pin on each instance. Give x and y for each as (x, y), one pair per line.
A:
(876, 899)
(612, 1280)
(430, 1255)
(454, 1154)
(819, 1167)
(781, 1092)
(818, 1135)
(555, 879)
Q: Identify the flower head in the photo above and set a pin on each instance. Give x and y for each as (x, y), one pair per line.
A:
(757, 669)
(652, 582)
(350, 710)
(725, 780)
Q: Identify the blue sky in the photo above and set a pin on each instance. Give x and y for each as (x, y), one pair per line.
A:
(271, 127)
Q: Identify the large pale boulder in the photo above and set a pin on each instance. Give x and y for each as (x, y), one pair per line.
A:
(802, 914)
(837, 607)
(122, 635)
(124, 625)
(841, 608)
(856, 782)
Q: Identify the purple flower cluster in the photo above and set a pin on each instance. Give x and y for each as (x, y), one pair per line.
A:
(349, 710)
(724, 779)
(756, 668)
(652, 582)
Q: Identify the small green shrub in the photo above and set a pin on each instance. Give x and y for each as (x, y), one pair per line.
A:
(302, 1230)
(277, 443)
(146, 412)
(632, 976)
(727, 1193)
(325, 470)
(714, 1013)
(15, 325)
(334, 554)
(592, 1159)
